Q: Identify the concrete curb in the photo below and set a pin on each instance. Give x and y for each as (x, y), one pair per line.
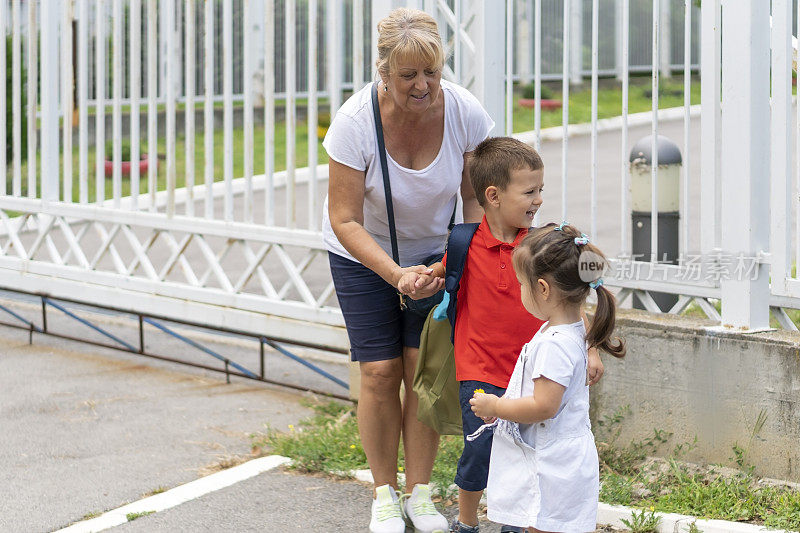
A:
(613, 515)
(178, 495)
(556, 133)
(676, 523)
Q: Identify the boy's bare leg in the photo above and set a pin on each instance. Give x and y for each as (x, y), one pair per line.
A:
(468, 501)
(420, 442)
(380, 417)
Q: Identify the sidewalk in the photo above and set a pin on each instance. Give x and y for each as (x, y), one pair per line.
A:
(87, 429)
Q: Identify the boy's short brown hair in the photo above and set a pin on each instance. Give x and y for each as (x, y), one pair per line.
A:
(493, 160)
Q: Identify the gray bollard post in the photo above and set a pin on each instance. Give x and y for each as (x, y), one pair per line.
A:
(669, 165)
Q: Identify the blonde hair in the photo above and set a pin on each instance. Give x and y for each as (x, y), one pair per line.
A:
(408, 33)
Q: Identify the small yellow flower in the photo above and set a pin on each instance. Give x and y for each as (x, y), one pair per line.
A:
(400, 468)
(352, 446)
(652, 508)
(291, 427)
(479, 391)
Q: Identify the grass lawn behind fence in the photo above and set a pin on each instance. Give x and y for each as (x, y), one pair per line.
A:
(609, 105)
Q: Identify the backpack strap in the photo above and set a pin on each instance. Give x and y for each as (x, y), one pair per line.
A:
(457, 247)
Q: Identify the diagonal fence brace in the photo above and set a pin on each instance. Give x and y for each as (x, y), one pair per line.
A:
(302, 361)
(200, 347)
(98, 329)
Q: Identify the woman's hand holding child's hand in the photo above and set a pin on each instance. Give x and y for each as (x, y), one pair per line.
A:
(484, 406)
(419, 282)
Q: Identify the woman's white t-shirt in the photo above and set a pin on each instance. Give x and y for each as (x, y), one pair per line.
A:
(423, 199)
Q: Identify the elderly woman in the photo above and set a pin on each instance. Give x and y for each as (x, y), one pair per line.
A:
(429, 127)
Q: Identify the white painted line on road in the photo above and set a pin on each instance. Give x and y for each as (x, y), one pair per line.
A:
(179, 495)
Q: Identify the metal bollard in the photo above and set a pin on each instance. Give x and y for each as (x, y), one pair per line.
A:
(669, 164)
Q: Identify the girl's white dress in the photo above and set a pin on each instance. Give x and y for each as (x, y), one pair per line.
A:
(546, 475)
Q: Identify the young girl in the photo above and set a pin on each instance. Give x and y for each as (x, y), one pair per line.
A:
(543, 472)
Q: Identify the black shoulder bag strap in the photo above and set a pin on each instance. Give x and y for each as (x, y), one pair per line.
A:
(457, 248)
(387, 188)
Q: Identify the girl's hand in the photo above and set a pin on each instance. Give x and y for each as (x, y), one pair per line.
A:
(484, 406)
(594, 368)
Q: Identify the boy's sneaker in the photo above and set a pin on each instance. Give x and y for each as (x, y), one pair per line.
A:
(387, 516)
(460, 527)
(421, 512)
(512, 529)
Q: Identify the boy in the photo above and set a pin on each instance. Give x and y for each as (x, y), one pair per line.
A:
(491, 325)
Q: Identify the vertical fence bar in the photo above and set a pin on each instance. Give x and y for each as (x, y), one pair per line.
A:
(509, 66)
(67, 100)
(710, 125)
(313, 204)
(16, 98)
(745, 160)
(595, 54)
(117, 108)
(576, 41)
(269, 112)
(152, 109)
(654, 142)
(335, 51)
(83, 101)
(188, 91)
(358, 45)
(457, 60)
(50, 89)
(227, 89)
(625, 178)
(171, 68)
(665, 37)
(100, 100)
(291, 110)
(247, 39)
(3, 98)
(797, 136)
(32, 83)
(537, 73)
(565, 108)
(781, 141)
(687, 104)
(208, 106)
(134, 90)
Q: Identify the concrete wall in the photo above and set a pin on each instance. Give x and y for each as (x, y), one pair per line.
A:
(690, 378)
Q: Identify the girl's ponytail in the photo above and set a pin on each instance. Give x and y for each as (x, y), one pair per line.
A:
(599, 334)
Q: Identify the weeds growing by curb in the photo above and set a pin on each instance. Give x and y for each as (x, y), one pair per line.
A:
(629, 474)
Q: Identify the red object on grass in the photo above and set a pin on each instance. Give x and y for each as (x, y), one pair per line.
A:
(546, 104)
(126, 166)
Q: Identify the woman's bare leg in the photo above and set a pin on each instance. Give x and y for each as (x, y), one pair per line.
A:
(380, 417)
(420, 442)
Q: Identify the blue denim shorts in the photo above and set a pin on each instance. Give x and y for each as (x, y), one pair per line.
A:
(378, 329)
(473, 467)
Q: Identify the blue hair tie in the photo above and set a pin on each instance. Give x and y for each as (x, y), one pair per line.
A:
(596, 283)
(583, 239)
(560, 227)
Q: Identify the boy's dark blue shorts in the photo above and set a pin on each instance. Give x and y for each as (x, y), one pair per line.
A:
(473, 467)
(378, 329)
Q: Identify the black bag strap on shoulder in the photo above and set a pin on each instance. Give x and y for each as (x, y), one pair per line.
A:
(387, 188)
(457, 248)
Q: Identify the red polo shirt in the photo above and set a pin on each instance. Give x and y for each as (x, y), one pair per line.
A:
(491, 323)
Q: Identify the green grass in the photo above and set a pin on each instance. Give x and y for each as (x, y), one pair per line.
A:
(329, 442)
(609, 105)
(609, 101)
(133, 516)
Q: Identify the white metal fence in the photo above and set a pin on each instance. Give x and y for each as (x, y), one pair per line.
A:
(224, 246)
